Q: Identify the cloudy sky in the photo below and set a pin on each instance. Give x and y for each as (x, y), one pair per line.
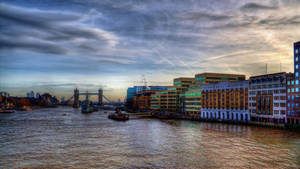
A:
(54, 46)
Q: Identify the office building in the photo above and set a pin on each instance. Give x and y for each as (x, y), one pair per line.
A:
(142, 101)
(192, 97)
(159, 101)
(267, 98)
(225, 101)
(293, 89)
(134, 91)
(174, 100)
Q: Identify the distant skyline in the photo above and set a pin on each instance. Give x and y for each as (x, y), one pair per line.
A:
(54, 46)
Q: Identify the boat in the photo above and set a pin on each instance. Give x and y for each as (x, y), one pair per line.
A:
(6, 111)
(162, 115)
(87, 106)
(25, 109)
(119, 116)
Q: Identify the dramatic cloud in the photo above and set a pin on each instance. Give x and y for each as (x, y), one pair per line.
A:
(51, 32)
(112, 43)
(255, 7)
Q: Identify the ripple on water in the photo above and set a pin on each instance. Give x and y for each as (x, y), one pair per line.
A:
(65, 138)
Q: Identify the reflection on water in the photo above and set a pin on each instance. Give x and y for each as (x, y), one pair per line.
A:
(65, 138)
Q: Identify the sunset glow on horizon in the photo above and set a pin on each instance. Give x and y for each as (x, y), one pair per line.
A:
(56, 46)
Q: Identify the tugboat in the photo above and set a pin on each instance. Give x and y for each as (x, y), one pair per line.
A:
(25, 109)
(118, 115)
(162, 115)
(6, 111)
(87, 106)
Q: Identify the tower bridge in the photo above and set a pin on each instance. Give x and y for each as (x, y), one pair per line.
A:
(99, 94)
(77, 94)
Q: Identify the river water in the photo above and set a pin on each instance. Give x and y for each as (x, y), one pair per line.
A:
(65, 138)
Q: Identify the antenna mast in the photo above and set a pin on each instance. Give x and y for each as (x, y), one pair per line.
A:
(145, 82)
(280, 66)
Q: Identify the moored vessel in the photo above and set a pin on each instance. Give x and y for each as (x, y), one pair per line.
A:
(87, 106)
(119, 116)
(6, 111)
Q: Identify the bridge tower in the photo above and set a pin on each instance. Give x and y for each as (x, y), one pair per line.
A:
(100, 97)
(76, 98)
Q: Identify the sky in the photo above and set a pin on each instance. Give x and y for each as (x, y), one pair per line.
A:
(54, 46)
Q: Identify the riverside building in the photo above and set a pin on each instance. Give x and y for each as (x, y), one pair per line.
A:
(267, 98)
(174, 101)
(159, 101)
(192, 97)
(142, 100)
(134, 92)
(225, 101)
(169, 100)
(293, 89)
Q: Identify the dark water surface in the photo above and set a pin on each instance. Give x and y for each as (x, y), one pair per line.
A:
(65, 138)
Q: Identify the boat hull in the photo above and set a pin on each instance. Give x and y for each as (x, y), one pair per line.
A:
(118, 117)
(6, 111)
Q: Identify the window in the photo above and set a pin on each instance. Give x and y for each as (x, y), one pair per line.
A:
(296, 58)
(293, 82)
(297, 74)
(289, 90)
(293, 89)
(297, 66)
(297, 89)
(289, 97)
(289, 82)
(293, 97)
(296, 51)
(297, 81)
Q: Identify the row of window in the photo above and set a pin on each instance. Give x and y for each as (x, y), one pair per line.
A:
(292, 82)
(225, 116)
(293, 90)
(291, 113)
(275, 104)
(269, 79)
(267, 112)
(275, 98)
(293, 97)
(192, 104)
(267, 92)
(267, 86)
(293, 105)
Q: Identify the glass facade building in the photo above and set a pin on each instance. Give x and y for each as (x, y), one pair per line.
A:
(293, 89)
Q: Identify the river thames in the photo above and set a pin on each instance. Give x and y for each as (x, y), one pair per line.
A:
(66, 138)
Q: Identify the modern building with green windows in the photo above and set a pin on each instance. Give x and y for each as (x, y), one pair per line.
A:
(174, 101)
(159, 101)
(191, 98)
